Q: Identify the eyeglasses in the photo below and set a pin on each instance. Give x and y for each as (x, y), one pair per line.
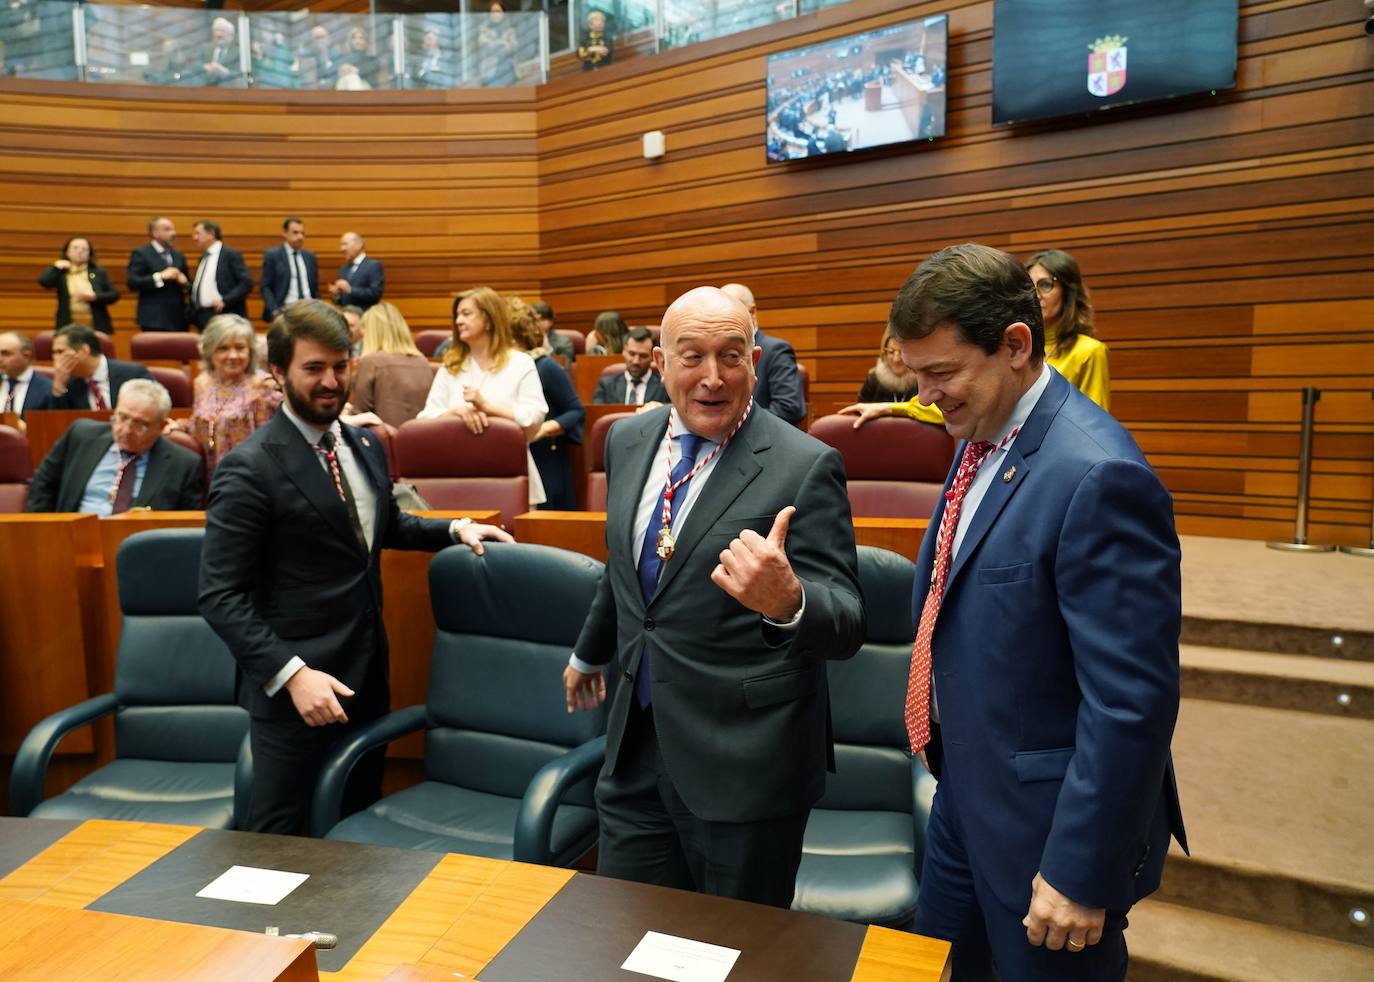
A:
(132, 422)
(1045, 285)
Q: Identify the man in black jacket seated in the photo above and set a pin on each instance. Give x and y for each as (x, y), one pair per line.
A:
(108, 468)
(83, 378)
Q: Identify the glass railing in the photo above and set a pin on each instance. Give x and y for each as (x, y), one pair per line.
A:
(61, 40)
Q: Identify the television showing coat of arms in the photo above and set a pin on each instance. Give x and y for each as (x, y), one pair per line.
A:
(1066, 57)
(856, 92)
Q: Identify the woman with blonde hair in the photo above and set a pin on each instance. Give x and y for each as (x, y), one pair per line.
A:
(392, 378)
(484, 375)
(889, 380)
(232, 397)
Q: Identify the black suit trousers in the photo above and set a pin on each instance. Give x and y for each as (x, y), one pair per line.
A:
(649, 836)
(288, 756)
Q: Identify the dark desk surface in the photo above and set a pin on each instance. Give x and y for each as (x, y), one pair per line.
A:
(442, 914)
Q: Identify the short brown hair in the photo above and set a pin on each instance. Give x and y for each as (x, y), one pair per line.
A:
(977, 289)
(313, 320)
(524, 325)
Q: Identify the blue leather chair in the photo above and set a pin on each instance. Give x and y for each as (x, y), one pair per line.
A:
(508, 771)
(865, 840)
(181, 741)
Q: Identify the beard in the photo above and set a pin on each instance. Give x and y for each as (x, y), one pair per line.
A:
(304, 405)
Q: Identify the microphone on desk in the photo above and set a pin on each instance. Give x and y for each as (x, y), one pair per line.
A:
(320, 939)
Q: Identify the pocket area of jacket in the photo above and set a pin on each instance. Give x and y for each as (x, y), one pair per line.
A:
(768, 690)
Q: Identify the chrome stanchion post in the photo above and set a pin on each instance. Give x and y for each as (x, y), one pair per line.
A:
(1366, 551)
(1300, 543)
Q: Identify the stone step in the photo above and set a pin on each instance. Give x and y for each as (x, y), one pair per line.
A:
(1305, 683)
(1171, 943)
(1287, 639)
(1276, 805)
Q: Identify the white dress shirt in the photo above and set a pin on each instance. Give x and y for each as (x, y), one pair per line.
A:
(100, 380)
(15, 399)
(207, 288)
(166, 260)
(298, 287)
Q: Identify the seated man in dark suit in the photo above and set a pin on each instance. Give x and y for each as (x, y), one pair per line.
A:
(222, 282)
(108, 468)
(157, 273)
(640, 385)
(361, 280)
(290, 271)
(779, 388)
(21, 388)
(83, 378)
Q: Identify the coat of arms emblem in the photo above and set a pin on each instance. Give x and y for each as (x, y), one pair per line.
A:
(1107, 65)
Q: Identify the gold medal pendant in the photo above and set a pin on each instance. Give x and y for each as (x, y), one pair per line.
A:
(665, 544)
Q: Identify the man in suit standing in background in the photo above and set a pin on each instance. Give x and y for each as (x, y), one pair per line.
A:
(639, 385)
(732, 578)
(21, 388)
(157, 273)
(779, 388)
(361, 280)
(222, 280)
(290, 271)
(108, 468)
(1045, 679)
(82, 377)
(290, 573)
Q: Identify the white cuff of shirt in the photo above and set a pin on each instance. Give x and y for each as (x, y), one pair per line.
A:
(579, 665)
(157, 280)
(789, 625)
(455, 529)
(275, 683)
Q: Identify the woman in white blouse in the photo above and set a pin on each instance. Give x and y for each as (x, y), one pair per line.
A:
(484, 375)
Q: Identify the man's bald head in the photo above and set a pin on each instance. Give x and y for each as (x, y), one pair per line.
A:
(745, 296)
(706, 358)
(706, 303)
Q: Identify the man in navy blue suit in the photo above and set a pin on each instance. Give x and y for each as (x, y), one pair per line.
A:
(361, 279)
(778, 387)
(21, 388)
(290, 271)
(1045, 677)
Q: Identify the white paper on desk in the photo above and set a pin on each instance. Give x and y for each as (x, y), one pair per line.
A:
(680, 959)
(250, 885)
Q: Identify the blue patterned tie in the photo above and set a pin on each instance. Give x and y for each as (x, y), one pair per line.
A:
(649, 562)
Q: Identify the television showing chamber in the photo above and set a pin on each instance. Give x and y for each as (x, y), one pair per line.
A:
(1066, 57)
(858, 92)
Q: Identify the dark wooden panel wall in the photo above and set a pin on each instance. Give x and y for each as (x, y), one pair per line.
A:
(1228, 240)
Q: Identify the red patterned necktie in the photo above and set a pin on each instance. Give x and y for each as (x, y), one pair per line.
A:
(918, 685)
(98, 396)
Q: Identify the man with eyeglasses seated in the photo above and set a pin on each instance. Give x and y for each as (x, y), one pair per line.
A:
(108, 468)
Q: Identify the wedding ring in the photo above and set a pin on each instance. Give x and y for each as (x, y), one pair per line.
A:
(1075, 945)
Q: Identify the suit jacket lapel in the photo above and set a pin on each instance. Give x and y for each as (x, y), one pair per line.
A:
(301, 465)
(85, 458)
(640, 451)
(1016, 464)
(736, 468)
(381, 481)
(154, 474)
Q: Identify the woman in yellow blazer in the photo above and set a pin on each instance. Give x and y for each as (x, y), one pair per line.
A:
(1070, 346)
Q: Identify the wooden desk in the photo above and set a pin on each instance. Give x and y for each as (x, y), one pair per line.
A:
(456, 920)
(585, 532)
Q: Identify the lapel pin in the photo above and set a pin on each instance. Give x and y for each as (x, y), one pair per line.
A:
(365, 443)
(1008, 474)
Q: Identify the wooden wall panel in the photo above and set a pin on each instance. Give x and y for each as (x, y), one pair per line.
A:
(1228, 240)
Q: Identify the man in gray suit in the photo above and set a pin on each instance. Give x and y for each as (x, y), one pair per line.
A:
(721, 602)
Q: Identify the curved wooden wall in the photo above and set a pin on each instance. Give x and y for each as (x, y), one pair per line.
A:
(1228, 240)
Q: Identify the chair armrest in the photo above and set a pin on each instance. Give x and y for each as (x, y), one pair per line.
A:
(534, 821)
(327, 805)
(31, 762)
(243, 780)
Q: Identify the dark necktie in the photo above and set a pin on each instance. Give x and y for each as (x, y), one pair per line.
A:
(9, 396)
(636, 395)
(299, 275)
(326, 449)
(124, 491)
(649, 563)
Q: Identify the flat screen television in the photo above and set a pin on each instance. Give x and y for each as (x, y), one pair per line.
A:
(1066, 57)
(858, 92)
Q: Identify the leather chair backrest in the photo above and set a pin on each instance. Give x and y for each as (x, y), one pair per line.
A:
(429, 341)
(174, 678)
(455, 469)
(578, 339)
(596, 457)
(42, 345)
(176, 382)
(165, 346)
(183, 439)
(15, 470)
(496, 709)
(868, 694)
(805, 377)
(385, 434)
(895, 467)
(612, 370)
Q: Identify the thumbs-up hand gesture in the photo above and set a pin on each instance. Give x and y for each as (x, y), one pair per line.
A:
(755, 571)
